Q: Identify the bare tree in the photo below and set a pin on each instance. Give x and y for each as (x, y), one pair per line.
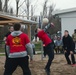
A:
(48, 14)
(11, 11)
(17, 8)
(29, 8)
(51, 8)
(5, 8)
(0, 5)
(45, 8)
(27, 4)
(32, 12)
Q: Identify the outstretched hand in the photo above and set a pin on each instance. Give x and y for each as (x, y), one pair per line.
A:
(52, 24)
(71, 52)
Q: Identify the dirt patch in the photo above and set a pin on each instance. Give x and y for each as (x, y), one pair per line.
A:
(37, 67)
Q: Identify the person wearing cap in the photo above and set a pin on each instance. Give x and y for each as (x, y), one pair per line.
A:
(18, 47)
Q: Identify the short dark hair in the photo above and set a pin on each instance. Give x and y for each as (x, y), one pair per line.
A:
(36, 30)
(17, 26)
(74, 29)
(67, 31)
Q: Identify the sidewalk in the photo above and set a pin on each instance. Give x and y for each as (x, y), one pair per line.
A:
(2, 53)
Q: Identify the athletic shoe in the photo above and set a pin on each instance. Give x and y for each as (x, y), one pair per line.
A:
(74, 65)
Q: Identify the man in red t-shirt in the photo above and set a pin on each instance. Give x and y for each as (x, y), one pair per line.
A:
(48, 45)
(16, 45)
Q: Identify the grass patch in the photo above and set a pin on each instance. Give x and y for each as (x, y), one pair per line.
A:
(2, 50)
(38, 46)
(2, 54)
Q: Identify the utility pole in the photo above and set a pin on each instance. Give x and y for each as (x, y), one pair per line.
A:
(41, 14)
(31, 12)
(45, 9)
(28, 9)
(0, 5)
(6, 6)
(17, 8)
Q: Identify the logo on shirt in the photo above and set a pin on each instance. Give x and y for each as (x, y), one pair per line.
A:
(16, 41)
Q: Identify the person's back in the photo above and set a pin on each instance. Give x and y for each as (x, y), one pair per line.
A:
(17, 43)
(44, 37)
(18, 46)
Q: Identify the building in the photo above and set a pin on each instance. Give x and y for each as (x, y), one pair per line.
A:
(6, 19)
(68, 19)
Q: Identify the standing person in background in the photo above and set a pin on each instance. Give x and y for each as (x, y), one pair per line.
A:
(68, 46)
(11, 29)
(18, 47)
(33, 46)
(74, 37)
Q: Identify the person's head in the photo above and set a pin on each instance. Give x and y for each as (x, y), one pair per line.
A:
(11, 29)
(37, 30)
(17, 26)
(75, 31)
(66, 33)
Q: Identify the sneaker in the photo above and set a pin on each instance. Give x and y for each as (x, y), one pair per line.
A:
(47, 72)
(74, 65)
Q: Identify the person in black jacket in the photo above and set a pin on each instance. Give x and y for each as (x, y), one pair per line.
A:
(11, 29)
(69, 47)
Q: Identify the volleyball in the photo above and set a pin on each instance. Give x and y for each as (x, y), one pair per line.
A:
(45, 21)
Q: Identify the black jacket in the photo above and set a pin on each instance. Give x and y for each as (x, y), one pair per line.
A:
(68, 43)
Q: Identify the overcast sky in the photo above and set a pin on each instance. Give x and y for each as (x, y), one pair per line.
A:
(59, 4)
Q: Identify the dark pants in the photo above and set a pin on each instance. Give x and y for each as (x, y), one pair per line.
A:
(12, 64)
(50, 53)
(34, 51)
(68, 59)
(6, 56)
(44, 48)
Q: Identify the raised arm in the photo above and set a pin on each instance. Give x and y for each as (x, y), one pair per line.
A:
(48, 26)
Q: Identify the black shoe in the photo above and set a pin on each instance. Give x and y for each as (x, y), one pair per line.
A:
(47, 72)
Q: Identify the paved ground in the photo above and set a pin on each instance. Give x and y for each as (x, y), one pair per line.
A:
(37, 67)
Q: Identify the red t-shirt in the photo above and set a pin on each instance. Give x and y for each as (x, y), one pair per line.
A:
(18, 43)
(44, 37)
